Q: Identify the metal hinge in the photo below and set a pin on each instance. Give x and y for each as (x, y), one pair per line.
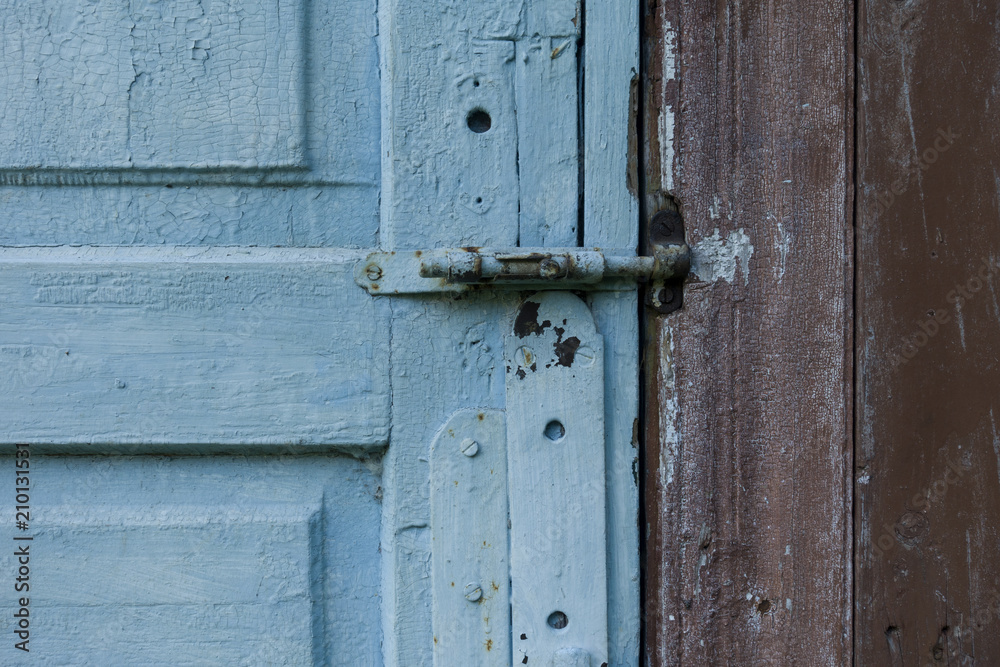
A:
(464, 269)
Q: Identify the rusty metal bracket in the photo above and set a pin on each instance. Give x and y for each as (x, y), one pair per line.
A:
(666, 230)
(463, 269)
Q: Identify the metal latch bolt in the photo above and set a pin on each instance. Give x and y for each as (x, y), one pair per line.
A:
(459, 269)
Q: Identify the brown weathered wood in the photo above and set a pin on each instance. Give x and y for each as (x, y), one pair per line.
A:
(748, 449)
(928, 497)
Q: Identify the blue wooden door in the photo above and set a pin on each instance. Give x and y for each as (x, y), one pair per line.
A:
(217, 445)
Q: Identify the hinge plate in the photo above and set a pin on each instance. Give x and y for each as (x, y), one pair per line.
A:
(554, 360)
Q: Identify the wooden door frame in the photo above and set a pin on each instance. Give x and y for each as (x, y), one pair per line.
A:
(748, 129)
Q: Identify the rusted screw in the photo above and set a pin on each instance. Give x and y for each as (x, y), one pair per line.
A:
(470, 447)
(666, 295)
(549, 268)
(662, 225)
(473, 592)
(524, 356)
(373, 271)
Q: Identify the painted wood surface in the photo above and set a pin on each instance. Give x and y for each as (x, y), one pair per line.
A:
(747, 130)
(548, 147)
(251, 122)
(188, 346)
(479, 123)
(469, 543)
(239, 347)
(445, 356)
(615, 314)
(611, 71)
(928, 455)
(200, 561)
(554, 364)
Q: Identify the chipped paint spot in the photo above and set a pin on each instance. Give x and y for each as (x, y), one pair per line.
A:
(715, 258)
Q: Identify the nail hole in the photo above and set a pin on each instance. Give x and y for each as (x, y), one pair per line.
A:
(554, 431)
(479, 200)
(479, 121)
(764, 606)
(475, 82)
(557, 620)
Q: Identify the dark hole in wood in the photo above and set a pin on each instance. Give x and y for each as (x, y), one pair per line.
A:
(557, 620)
(554, 431)
(479, 121)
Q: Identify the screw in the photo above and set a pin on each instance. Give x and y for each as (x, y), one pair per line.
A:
(586, 355)
(549, 268)
(373, 271)
(470, 447)
(662, 225)
(666, 295)
(473, 593)
(524, 356)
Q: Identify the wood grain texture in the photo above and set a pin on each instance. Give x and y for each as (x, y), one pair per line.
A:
(928, 464)
(200, 560)
(748, 449)
(548, 140)
(610, 66)
(615, 314)
(185, 346)
(554, 363)
(514, 177)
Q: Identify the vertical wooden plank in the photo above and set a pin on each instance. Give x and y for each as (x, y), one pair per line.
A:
(611, 220)
(928, 463)
(554, 361)
(449, 131)
(548, 140)
(471, 572)
(547, 123)
(748, 454)
(445, 355)
(611, 65)
(617, 320)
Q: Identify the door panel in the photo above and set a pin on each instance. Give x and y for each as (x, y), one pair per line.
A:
(191, 347)
(219, 560)
(248, 122)
(183, 205)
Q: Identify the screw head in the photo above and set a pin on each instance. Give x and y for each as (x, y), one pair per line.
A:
(373, 271)
(666, 295)
(586, 355)
(524, 356)
(473, 592)
(470, 447)
(549, 268)
(662, 225)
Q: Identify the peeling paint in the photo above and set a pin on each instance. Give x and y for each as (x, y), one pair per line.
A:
(715, 258)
